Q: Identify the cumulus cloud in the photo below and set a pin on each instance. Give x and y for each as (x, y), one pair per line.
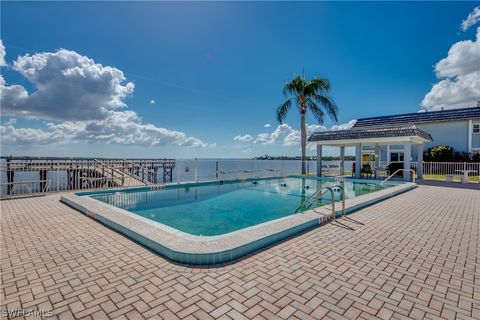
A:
(263, 138)
(124, 128)
(10, 135)
(69, 86)
(288, 136)
(280, 133)
(472, 19)
(460, 77)
(244, 138)
(267, 125)
(85, 102)
(2, 54)
(463, 58)
(344, 126)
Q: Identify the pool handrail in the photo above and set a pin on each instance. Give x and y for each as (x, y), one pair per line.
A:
(398, 170)
(317, 196)
(342, 197)
(308, 200)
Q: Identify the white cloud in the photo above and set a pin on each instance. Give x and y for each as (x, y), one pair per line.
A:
(344, 126)
(267, 125)
(69, 86)
(28, 136)
(83, 99)
(472, 19)
(460, 78)
(279, 134)
(244, 138)
(152, 101)
(288, 136)
(263, 138)
(450, 94)
(2, 54)
(125, 128)
(463, 58)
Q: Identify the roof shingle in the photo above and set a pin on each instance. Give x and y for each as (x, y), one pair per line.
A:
(420, 117)
(369, 133)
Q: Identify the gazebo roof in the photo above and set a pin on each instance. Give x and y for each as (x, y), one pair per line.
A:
(371, 133)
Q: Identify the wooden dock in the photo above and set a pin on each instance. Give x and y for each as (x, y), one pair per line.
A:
(63, 174)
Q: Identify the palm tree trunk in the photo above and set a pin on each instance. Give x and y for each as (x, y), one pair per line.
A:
(303, 133)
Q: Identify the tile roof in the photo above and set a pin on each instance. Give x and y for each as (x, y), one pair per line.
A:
(420, 117)
(369, 133)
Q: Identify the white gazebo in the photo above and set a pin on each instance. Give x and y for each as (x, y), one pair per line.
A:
(409, 136)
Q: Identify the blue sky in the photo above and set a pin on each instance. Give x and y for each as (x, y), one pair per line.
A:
(215, 69)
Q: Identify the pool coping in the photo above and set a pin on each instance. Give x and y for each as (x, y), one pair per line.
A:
(191, 249)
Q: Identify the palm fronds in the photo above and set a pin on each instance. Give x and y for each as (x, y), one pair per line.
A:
(283, 110)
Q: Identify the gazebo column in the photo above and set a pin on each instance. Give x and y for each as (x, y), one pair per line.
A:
(342, 161)
(377, 156)
(420, 161)
(407, 155)
(377, 160)
(358, 160)
(319, 160)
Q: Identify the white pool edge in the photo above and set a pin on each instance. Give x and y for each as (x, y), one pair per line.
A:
(190, 249)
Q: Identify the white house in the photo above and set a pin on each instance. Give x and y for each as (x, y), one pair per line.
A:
(404, 137)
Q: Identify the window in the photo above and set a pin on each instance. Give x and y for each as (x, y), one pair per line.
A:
(396, 157)
(476, 128)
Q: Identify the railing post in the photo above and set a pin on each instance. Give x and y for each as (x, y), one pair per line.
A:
(178, 173)
(10, 176)
(196, 170)
(334, 212)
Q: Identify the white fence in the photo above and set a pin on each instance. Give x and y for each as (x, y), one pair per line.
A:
(440, 170)
(27, 181)
(187, 170)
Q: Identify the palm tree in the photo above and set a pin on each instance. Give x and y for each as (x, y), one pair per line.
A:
(308, 95)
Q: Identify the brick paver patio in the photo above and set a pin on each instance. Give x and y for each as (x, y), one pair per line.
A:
(414, 256)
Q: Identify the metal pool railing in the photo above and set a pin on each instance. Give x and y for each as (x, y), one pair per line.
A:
(397, 171)
(30, 188)
(310, 201)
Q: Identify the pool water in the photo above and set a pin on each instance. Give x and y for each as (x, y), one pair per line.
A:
(220, 208)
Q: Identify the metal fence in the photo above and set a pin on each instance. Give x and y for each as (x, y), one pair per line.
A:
(442, 170)
(34, 176)
(450, 170)
(198, 170)
(90, 174)
(20, 177)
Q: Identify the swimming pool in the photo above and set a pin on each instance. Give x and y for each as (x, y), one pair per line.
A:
(209, 210)
(209, 223)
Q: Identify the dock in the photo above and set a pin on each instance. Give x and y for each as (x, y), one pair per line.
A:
(31, 175)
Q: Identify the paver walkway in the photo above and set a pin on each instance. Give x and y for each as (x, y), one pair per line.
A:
(415, 256)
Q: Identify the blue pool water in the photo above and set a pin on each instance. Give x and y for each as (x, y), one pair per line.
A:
(215, 209)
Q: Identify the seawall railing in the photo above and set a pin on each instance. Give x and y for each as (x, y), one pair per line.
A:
(24, 176)
(29, 176)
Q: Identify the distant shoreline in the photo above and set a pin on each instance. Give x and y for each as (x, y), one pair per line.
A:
(311, 158)
(266, 157)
